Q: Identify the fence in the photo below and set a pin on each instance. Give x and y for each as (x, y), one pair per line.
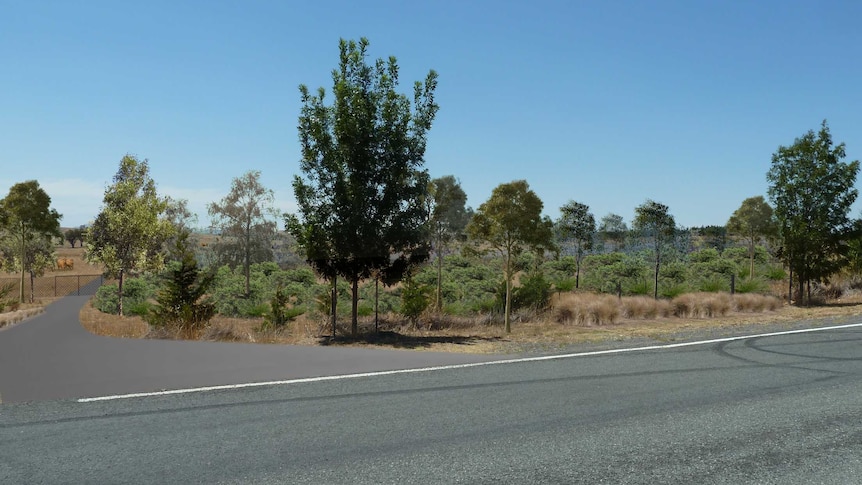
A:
(53, 286)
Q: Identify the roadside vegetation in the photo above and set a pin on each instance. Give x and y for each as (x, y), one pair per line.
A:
(378, 252)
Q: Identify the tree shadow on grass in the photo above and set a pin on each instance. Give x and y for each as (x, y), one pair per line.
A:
(401, 341)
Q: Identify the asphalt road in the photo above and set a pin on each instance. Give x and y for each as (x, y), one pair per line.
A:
(771, 410)
(53, 357)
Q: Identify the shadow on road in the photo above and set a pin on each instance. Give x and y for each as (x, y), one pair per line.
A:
(400, 341)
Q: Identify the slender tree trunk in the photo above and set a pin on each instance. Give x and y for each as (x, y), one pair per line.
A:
(790, 286)
(439, 280)
(120, 292)
(354, 314)
(751, 259)
(248, 258)
(578, 270)
(657, 266)
(376, 301)
(508, 306)
(23, 251)
(801, 288)
(333, 301)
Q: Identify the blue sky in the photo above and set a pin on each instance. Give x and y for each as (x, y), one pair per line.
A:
(608, 103)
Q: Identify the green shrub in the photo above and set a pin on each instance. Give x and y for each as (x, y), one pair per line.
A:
(534, 292)
(673, 290)
(135, 292)
(713, 284)
(414, 300)
(640, 288)
(751, 286)
(775, 273)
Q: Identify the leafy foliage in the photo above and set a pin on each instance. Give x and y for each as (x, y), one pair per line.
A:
(361, 201)
(448, 218)
(653, 220)
(136, 292)
(129, 232)
(576, 226)
(511, 221)
(812, 191)
(182, 301)
(244, 221)
(29, 223)
(752, 221)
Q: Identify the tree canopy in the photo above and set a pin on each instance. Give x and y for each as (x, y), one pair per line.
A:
(128, 234)
(654, 221)
(812, 191)
(577, 225)
(449, 215)
(29, 223)
(511, 221)
(245, 223)
(752, 221)
(361, 197)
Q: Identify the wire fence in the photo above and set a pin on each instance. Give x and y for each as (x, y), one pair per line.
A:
(55, 286)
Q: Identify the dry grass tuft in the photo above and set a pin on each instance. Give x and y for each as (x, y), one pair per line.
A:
(702, 305)
(100, 323)
(644, 307)
(585, 309)
(754, 303)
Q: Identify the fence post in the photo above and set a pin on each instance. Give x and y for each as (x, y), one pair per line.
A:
(732, 284)
(55, 286)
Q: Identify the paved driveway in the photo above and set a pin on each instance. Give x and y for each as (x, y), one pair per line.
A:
(52, 357)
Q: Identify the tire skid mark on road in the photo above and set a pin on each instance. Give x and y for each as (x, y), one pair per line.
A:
(460, 366)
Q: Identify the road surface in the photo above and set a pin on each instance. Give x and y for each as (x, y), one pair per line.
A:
(771, 410)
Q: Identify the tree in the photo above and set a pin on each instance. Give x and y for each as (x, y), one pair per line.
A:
(73, 235)
(812, 191)
(242, 221)
(128, 234)
(28, 220)
(449, 216)
(182, 302)
(578, 225)
(509, 222)
(612, 228)
(752, 221)
(653, 220)
(361, 203)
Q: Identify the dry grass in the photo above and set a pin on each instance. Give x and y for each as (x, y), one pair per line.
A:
(20, 312)
(585, 309)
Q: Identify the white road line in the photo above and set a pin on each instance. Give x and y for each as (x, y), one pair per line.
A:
(459, 366)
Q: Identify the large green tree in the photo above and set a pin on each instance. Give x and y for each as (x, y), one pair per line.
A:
(129, 233)
(449, 215)
(509, 222)
(752, 221)
(29, 223)
(361, 200)
(577, 226)
(812, 190)
(245, 221)
(654, 221)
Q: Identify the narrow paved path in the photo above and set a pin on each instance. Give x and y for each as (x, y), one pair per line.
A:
(52, 357)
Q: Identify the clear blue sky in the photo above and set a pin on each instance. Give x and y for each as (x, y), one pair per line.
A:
(608, 103)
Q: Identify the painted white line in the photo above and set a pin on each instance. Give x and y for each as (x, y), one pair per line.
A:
(460, 366)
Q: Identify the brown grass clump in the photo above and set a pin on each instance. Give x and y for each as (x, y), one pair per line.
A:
(755, 303)
(585, 309)
(100, 323)
(644, 307)
(702, 305)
